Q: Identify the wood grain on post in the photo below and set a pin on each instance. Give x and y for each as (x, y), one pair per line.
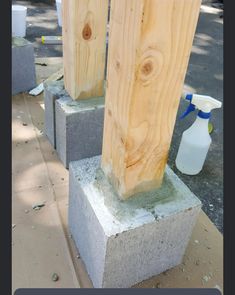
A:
(84, 47)
(149, 47)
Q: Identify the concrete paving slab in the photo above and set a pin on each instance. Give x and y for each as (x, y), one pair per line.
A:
(39, 247)
(28, 167)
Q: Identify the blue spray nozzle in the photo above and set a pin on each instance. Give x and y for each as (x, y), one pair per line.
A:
(191, 108)
(188, 97)
(203, 103)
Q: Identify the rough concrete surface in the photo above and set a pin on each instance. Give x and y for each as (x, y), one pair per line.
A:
(36, 168)
(23, 67)
(204, 76)
(79, 128)
(52, 91)
(123, 243)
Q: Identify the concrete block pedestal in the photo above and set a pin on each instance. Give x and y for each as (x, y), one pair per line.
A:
(74, 128)
(79, 128)
(125, 242)
(23, 67)
(52, 90)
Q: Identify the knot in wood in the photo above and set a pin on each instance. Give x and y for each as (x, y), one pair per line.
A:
(117, 64)
(87, 32)
(147, 68)
(150, 66)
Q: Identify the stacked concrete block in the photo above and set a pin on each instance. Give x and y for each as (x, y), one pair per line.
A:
(125, 242)
(23, 66)
(79, 128)
(52, 90)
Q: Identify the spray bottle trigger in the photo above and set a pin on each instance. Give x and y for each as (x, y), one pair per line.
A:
(190, 109)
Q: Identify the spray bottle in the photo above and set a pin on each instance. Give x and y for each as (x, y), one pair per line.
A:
(196, 140)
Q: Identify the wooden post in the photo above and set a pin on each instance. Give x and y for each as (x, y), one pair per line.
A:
(149, 48)
(84, 46)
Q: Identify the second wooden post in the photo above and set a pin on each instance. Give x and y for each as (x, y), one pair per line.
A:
(84, 35)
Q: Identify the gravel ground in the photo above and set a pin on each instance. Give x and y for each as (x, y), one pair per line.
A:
(204, 76)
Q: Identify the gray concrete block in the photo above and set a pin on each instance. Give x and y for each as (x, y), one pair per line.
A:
(125, 242)
(23, 67)
(79, 128)
(52, 90)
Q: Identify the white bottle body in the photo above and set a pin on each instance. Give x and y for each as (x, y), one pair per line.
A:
(194, 146)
